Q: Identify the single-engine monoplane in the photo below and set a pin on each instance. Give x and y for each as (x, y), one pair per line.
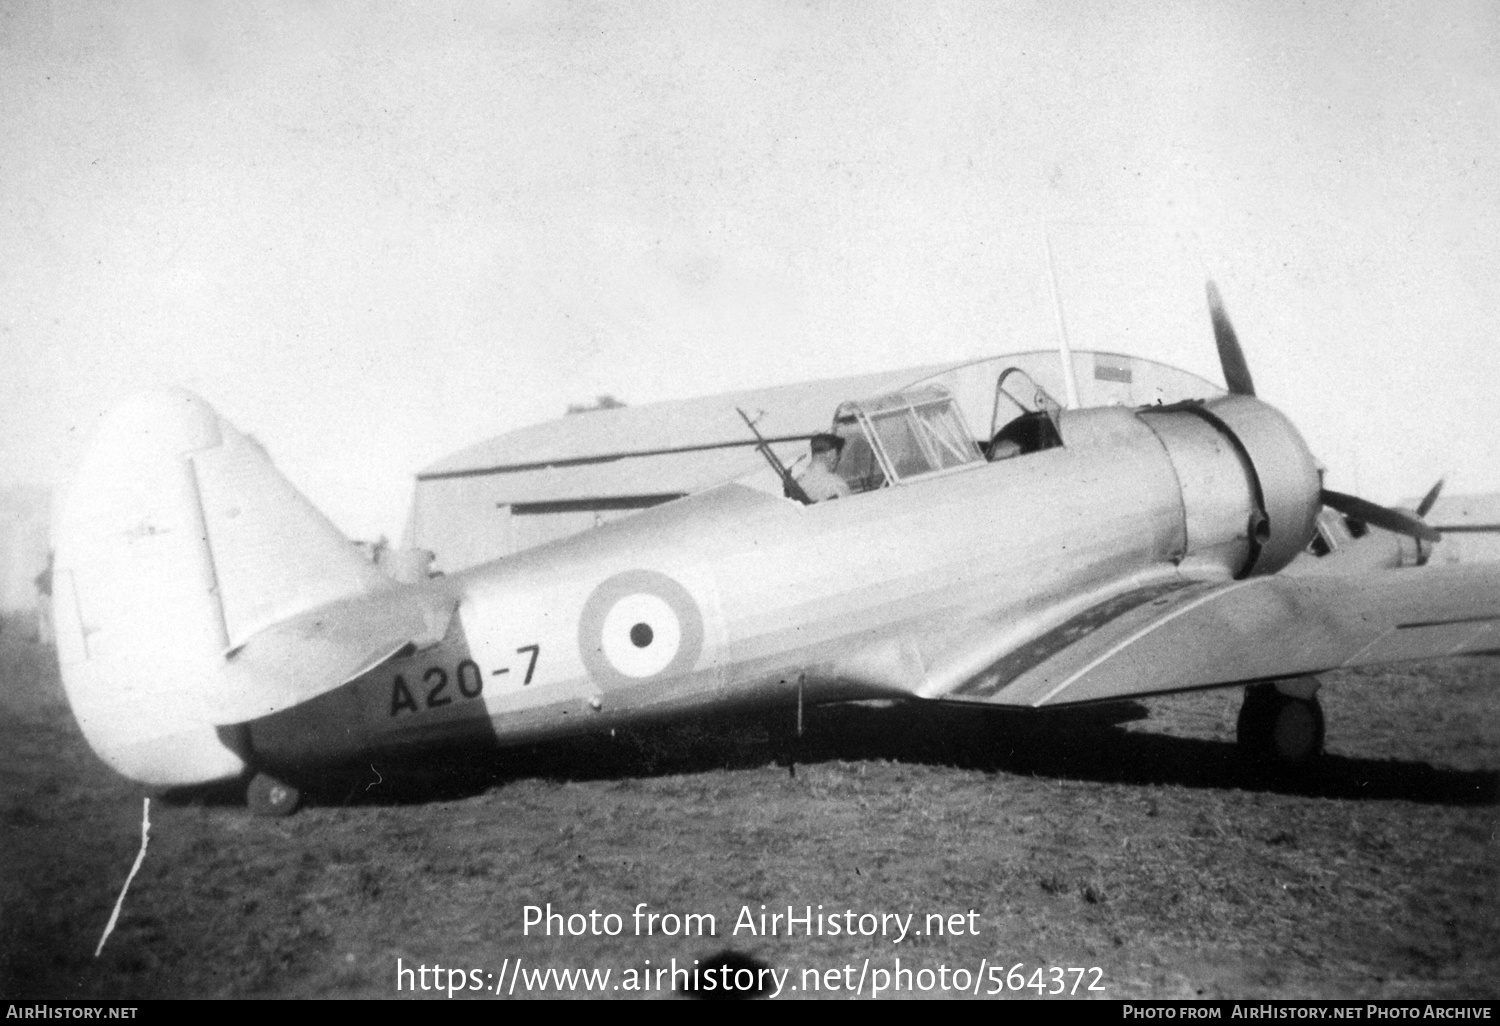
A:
(212, 625)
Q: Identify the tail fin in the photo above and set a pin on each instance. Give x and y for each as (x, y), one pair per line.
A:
(177, 542)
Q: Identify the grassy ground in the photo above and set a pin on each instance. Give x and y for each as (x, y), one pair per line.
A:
(1139, 849)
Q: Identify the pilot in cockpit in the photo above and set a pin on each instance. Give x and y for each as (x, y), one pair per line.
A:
(819, 480)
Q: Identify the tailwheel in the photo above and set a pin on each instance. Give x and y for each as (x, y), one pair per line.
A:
(1281, 725)
(270, 797)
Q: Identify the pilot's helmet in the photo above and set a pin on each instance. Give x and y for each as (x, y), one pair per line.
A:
(826, 443)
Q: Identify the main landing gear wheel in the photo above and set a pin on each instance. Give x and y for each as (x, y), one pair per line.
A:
(270, 797)
(1278, 730)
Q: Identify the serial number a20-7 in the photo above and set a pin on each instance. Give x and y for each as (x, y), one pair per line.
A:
(437, 688)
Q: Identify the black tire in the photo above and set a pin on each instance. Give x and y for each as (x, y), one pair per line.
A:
(1278, 732)
(270, 797)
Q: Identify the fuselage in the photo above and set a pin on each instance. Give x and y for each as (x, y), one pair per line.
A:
(736, 596)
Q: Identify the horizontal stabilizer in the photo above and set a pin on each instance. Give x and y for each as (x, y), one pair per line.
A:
(274, 554)
(315, 652)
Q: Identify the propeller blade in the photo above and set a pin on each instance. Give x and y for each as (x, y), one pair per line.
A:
(1425, 506)
(1237, 379)
(1231, 357)
(1380, 516)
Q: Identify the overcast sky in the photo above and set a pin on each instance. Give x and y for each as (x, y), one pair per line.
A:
(373, 234)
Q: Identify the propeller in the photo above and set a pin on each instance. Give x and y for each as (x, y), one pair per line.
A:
(1231, 356)
(1237, 378)
(1425, 506)
(1379, 516)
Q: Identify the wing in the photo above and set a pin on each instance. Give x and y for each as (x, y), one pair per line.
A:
(1177, 634)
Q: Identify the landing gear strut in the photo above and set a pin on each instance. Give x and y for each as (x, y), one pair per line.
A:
(270, 797)
(1281, 725)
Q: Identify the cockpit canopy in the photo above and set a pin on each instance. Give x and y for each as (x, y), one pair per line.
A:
(920, 431)
(903, 435)
(1025, 417)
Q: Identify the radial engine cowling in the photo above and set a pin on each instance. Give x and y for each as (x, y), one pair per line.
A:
(1250, 488)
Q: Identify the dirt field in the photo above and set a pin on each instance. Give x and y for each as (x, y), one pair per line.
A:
(1139, 849)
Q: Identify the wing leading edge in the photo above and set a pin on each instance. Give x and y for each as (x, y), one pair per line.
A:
(1179, 635)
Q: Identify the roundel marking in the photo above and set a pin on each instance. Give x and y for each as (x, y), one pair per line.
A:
(637, 626)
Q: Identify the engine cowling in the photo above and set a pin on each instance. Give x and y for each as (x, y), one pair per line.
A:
(1250, 487)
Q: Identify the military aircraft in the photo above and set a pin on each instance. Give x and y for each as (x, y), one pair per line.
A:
(213, 626)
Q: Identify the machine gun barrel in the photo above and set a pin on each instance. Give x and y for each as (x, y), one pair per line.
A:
(789, 484)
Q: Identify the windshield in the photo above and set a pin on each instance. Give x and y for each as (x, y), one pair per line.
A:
(1015, 394)
(1025, 417)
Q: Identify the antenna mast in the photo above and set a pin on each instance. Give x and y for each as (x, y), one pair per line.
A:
(1065, 351)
